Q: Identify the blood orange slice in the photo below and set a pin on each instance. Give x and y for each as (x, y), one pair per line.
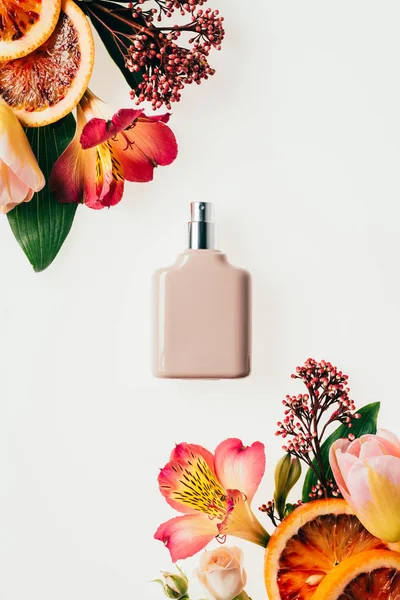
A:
(373, 575)
(309, 544)
(25, 25)
(47, 84)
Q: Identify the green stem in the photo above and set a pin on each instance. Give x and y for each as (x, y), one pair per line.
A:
(242, 596)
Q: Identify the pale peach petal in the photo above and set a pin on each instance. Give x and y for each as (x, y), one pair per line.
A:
(221, 572)
(240, 467)
(216, 561)
(371, 448)
(392, 439)
(345, 462)
(354, 447)
(338, 447)
(16, 152)
(374, 487)
(383, 445)
(185, 536)
(13, 190)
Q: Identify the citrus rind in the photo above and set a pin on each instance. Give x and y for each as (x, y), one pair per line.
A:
(26, 28)
(365, 563)
(48, 84)
(308, 545)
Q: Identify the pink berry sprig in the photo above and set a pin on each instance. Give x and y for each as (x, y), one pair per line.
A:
(307, 416)
(317, 491)
(270, 510)
(156, 52)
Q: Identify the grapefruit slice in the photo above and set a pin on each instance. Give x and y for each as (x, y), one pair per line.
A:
(373, 575)
(309, 544)
(25, 25)
(46, 85)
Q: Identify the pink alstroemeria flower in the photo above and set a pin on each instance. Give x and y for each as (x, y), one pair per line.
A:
(367, 471)
(214, 493)
(109, 148)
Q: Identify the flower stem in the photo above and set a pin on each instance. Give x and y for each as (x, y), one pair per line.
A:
(242, 596)
(317, 445)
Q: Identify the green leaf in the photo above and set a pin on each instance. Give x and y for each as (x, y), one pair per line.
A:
(365, 424)
(289, 508)
(115, 25)
(41, 225)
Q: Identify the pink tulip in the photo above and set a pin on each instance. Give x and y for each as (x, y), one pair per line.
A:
(20, 175)
(367, 472)
(214, 493)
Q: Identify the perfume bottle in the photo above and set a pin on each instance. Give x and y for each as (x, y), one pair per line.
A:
(202, 309)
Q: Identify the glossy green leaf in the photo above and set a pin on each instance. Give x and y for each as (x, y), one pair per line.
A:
(41, 225)
(115, 25)
(366, 424)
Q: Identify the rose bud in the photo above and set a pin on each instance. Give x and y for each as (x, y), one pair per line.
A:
(175, 586)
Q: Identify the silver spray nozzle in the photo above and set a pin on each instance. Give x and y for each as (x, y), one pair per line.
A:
(202, 229)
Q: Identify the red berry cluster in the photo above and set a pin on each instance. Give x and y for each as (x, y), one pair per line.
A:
(269, 509)
(307, 416)
(318, 491)
(167, 66)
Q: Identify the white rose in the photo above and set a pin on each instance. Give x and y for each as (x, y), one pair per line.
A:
(221, 572)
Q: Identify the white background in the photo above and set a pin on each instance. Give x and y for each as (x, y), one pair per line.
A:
(297, 141)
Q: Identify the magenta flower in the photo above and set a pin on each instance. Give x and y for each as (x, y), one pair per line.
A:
(108, 149)
(214, 493)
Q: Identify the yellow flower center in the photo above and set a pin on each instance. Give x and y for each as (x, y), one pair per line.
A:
(199, 488)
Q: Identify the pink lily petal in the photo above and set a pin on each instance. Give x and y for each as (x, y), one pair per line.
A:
(109, 179)
(143, 147)
(97, 131)
(187, 535)
(67, 179)
(188, 481)
(159, 118)
(240, 467)
(374, 487)
(110, 198)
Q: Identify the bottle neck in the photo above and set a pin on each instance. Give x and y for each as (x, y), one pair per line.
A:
(202, 236)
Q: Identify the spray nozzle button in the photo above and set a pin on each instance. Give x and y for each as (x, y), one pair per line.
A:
(202, 212)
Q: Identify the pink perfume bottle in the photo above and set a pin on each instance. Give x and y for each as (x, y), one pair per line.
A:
(202, 309)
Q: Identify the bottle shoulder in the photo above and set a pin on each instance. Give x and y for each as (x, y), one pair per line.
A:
(202, 260)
